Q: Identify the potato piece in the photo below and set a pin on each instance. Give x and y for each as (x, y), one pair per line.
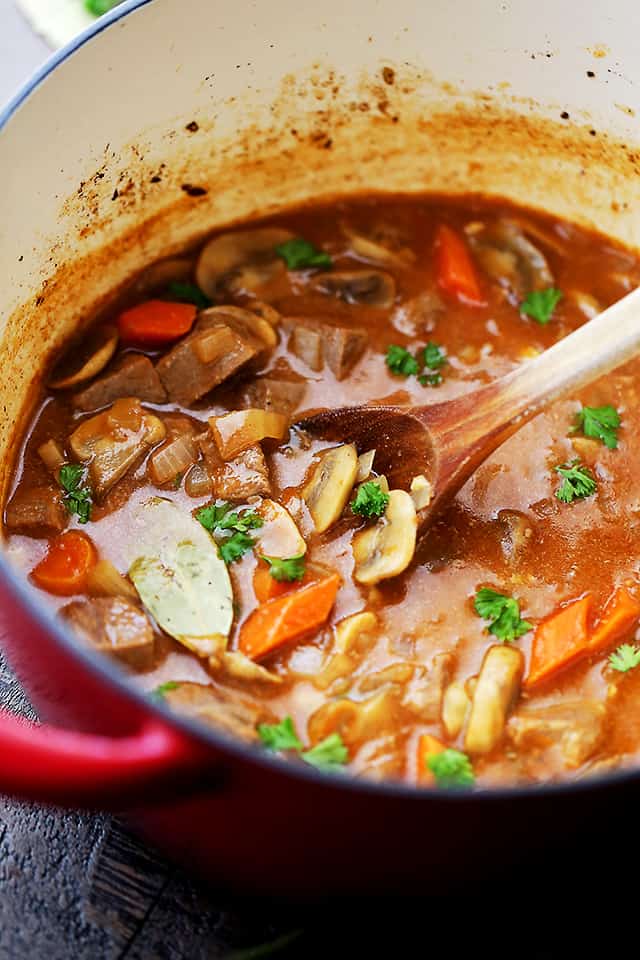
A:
(386, 549)
(331, 483)
(455, 707)
(497, 687)
(237, 431)
(279, 537)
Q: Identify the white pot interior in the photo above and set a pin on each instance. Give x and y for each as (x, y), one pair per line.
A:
(295, 102)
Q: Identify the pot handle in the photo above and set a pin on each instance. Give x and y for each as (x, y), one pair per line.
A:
(50, 764)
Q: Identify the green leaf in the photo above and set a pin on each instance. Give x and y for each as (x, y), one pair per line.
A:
(370, 500)
(299, 254)
(433, 356)
(279, 736)
(430, 379)
(599, 422)
(504, 613)
(286, 570)
(212, 515)
(329, 754)
(98, 7)
(241, 522)
(578, 482)
(626, 657)
(180, 577)
(78, 500)
(401, 362)
(540, 304)
(167, 687)
(452, 769)
(188, 293)
(235, 547)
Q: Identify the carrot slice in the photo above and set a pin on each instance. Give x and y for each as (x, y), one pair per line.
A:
(156, 322)
(559, 640)
(428, 746)
(455, 268)
(620, 615)
(288, 617)
(266, 588)
(67, 564)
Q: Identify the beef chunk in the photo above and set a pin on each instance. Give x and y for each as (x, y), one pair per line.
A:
(275, 396)
(114, 626)
(574, 728)
(209, 355)
(131, 376)
(37, 510)
(246, 476)
(319, 342)
(233, 712)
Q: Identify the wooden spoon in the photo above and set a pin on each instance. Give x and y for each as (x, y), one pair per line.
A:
(448, 441)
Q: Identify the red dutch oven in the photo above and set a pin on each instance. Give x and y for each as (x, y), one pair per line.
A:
(96, 199)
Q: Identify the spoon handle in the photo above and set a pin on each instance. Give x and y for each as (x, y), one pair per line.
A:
(470, 428)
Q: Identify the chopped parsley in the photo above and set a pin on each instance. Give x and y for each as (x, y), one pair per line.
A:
(599, 422)
(286, 570)
(167, 687)
(452, 769)
(78, 499)
(280, 736)
(218, 518)
(577, 482)
(401, 362)
(235, 547)
(188, 293)
(626, 657)
(540, 304)
(299, 254)
(370, 500)
(330, 754)
(503, 612)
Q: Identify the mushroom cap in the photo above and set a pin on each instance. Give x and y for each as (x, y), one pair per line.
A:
(85, 359)
(244, 258)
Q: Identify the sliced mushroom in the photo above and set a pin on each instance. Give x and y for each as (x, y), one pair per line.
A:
(496, 690)
(382, 245)
(386, 549)
(396, 674)
(331, 482)
(511, 259)
(370, 288)
(421, 492)
(455, 707)
(353, 637)
(242, 260)
(350, 631)
(86, 359)
(242, 668)
(365, 465)
(356, 722)
(248, 323)
(279, 537)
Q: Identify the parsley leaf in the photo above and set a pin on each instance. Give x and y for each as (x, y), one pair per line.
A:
(327, 755)
(188, 293)
(503, 611)
(217, 519)
(577, 483)
(167, 687)
(433, 356)
(540, 304)
(286, 570)
(401, 362)
(235, 547)
(626, 657)
(279, 736)
(298, 254)
(370, 500)
(99, 7)
(452, 769)
(78, 500)
(599, 422)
